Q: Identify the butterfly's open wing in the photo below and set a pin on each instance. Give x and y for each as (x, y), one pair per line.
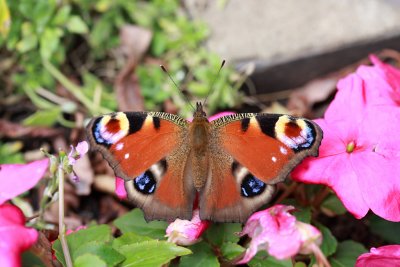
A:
(251, 153)
(148, 150)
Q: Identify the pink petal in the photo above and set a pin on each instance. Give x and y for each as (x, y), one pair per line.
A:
(120, 188)
(337, 173)
(379, 183)
(380, 257)
(219, 115)
(14, 236)
(82, 148)
(16, 179)
(274, 230)
(184, 232)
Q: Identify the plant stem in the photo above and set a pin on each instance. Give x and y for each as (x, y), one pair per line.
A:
(61, 226)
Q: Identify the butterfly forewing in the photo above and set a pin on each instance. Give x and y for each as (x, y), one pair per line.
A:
(149, 151)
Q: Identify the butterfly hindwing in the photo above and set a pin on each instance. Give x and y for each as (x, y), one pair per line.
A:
(148, 150)
(253, 152)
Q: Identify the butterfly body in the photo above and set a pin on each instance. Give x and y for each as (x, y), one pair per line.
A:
(232, 164)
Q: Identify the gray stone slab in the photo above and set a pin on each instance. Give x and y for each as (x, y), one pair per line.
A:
(273, 33)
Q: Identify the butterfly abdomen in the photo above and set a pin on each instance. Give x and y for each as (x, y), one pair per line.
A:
(199, 141)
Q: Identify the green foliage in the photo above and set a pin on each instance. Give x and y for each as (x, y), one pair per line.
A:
(95, 240)
(54, 42)
(347, 254)
(389, 231)
(262, 259)
(219, 233)
(333, 206)
(151, 253)
(329, 242)
(203, 255)
(9, 153)
(133, 221)
(96, 245)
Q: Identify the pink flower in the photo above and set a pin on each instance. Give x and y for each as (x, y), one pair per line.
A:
(77, 152)
(359, 156)
(280, 234)
(15, 179)
(14, 236)
(120, 188)
(119, 182)
(186, 233)
(380, 257)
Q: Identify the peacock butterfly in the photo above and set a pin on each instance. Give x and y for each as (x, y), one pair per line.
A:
(231, 163)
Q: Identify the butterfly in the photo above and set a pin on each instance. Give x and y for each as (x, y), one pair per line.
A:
(230, 164)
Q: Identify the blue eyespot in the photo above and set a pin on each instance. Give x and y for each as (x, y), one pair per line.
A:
(145, 183)
(251, 186)
(97, 134)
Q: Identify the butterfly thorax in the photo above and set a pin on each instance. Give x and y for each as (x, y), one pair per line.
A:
(199, 131)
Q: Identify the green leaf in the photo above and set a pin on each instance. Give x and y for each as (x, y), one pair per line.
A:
(219, 233)
(27, 43)
(202, 256)
(134, 222)
(231, 250)
(158, 44)
(43, 117)
(390, 231)
(105, 252)
(49, 42)
(88, 260)
(329, 243)
(62, 15)
(347, 254)
(129, 238)
(5, 19)
(10, 153)
(333, 206)
(151, 253)
(76, 25)
(303, 214)
(262, 259)
(99, 233)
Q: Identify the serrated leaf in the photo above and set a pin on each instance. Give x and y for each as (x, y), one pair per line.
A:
(99, 233)
(105, 252)
(333, 206)
(133, 221)
(76, 25)
(219, 233)
(329, 242)
(390, 231)
(129, 238)
(89, 260)
(231, 250)
(46, 117)
(262, 259)
(203, 255)
(347, 254)
(151, 253)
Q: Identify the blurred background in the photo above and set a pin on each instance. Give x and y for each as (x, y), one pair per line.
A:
(65, 61)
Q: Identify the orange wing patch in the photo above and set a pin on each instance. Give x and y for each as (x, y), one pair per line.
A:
(263, 155)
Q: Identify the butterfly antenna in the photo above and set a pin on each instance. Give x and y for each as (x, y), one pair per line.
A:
(213, 82)
(176, 86)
